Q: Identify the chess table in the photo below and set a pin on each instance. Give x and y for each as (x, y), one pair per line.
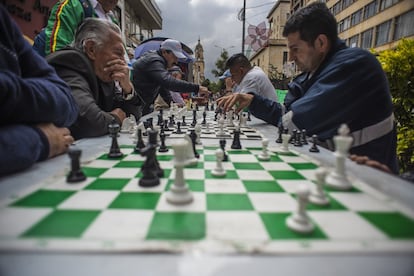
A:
(235, 225)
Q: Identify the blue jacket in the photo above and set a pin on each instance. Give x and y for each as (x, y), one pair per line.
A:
(30, 93)
(349, 87)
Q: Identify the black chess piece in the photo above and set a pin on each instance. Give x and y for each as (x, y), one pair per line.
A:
(183, 123)
(114, 151)
(303, 137)
(248, 116)
(193, 137)
(76, 174)
(194, 118)
(166, 125)
(204, 122)
(140, 141)
(150, 123)
(279, 138)
(236, 139)
(298, 139)
(151, 170)
(171, 123)
(293, 137)
(314, 147)
(160, 118)
(163, 147)
(178, 131)
(223, 148)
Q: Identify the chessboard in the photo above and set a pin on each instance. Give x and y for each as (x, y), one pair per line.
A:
(244, 211)
(208, 123)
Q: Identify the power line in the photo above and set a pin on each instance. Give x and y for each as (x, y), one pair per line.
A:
(261, 5)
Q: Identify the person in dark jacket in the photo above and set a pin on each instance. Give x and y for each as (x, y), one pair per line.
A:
(338, 85)
(151, 76)
(98, 75)
(36, 106)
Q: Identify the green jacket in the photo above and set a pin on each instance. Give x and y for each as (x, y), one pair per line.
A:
(63, 21)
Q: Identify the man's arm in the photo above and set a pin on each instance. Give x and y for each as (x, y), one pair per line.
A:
(64, 18)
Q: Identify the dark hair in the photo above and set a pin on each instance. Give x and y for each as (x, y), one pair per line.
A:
(238, 59)
(311, 21)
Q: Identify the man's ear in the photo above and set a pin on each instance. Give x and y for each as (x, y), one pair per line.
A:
(90, 49)
(322, 43)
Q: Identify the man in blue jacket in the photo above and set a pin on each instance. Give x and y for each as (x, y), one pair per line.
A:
(337, 85)
(36, 106)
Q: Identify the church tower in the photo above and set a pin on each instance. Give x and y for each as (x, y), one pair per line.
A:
(198, 68)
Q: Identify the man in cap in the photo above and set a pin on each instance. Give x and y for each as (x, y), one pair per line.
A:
(151, 76)
(228, 82)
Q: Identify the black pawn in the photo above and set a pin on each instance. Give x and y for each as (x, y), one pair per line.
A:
(183, 123)
(76, 174)
(166, 125)
(160, 118)
(163, 147)
(194, 118)
(171, 123)
(248, 116)
(279, 138)
(193, 137)
(140, 141)
(236, 140)
(223, 148)
(314, 148)
(204, 122)
(114, 151)
(178, 128)
(303, 137)
(298, 139)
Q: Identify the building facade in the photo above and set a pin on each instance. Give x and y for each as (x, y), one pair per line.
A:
(272, 57)
(198, 66)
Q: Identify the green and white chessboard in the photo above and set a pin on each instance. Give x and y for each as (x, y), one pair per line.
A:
(243, 212)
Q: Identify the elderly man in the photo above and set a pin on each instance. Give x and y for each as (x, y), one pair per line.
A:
(65, 17)
(248, 78)
(92, 67)
(338, 85)
(36, 106)
(150, 74)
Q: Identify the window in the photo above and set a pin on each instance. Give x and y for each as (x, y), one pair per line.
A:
(285, 57)
(404, 25)
(366, 39)
(353, 41)
(356, 17)
(383, 33)
(346, 3)
(370, 9)
(387, 3)
(347, 23)
(336, 8)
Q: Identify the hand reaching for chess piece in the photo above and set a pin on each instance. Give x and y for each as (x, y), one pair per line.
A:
(365, 160)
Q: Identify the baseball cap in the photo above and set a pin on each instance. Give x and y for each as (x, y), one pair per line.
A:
(225, 75)
(174, 46)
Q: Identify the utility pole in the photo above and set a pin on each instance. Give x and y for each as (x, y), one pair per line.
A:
(244, 24)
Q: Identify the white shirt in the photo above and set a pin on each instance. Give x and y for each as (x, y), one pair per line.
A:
(100, 12)
(257, 82)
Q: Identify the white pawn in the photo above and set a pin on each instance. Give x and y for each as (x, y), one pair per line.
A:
(221, 126)
(285, 142)
(197, 129)
(207, 130)
(218, 170)
(243, 119)
(264, 155)
(318, 195)
(299, 220)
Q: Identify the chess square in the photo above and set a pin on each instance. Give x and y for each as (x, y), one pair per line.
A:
(43, 198)
(273, 202)
(223, 226)
(224, 186)
(133, 186)
(276, 166)
(291, 186)
(121, 173)
(15, 221)
(120, 225)
(345, 225)
(226, 165)
(99, 163)
(360, 202)
(89, 200)
(254, 175)
(293, 159)
(61, 184)
(243, 158)
(197, 205)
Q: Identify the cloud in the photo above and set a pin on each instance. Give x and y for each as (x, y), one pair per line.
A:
(214, 22)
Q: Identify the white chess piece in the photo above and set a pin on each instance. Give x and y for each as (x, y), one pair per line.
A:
(285, 142)
(197, 129)
(243, 119)
(230, 122)
(337, 179)
(299, 220)
(179, 192)
(192, 160)
(221, 126)
(318, 195)
(218, 170)
(264, 155)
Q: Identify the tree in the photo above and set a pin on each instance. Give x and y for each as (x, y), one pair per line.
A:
(221, 64)
(398, 64)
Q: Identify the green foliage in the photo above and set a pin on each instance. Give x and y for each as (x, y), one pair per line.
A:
(398, 64)
(220, 68)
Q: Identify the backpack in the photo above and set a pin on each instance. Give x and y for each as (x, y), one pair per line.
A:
(39, 43)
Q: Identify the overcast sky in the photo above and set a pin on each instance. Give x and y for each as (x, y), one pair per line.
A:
(215, 22)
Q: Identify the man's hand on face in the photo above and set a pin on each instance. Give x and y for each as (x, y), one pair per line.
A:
(120, 72)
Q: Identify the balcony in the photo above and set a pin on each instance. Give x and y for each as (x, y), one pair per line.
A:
(148, 13)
